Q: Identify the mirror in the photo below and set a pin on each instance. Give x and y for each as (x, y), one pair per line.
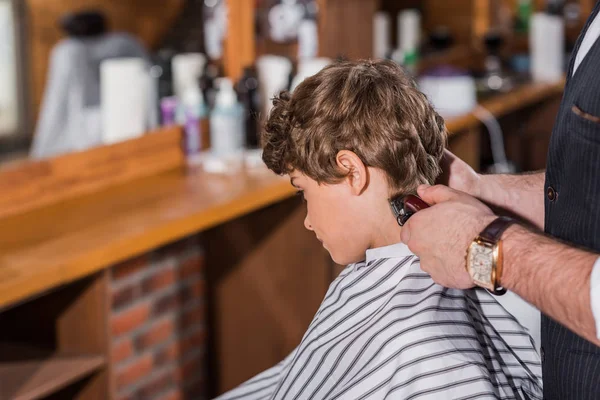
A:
(13, 92)
(52, 59)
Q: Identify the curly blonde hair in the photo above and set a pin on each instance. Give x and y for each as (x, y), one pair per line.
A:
(369, 107)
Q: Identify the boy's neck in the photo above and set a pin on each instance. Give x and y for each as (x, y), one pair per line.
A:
(388, 232)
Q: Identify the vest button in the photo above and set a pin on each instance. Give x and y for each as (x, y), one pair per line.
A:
(551, 193)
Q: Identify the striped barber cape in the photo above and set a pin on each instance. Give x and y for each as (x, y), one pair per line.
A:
(385, 330)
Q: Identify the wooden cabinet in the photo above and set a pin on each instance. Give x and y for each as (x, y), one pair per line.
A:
(57, 345)
(266, 276)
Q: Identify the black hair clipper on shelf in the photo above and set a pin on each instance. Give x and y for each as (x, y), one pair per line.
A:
(404, 207)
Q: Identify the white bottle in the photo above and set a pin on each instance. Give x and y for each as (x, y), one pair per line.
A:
(308, 39)
(227, 131)
(381, 34)
(546, 43)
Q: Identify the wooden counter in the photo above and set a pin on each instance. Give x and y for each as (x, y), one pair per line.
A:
(60, 243)
(56, 244)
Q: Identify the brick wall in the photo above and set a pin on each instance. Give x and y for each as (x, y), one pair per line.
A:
(157, 324)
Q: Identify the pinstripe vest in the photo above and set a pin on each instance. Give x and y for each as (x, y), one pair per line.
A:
(571, 365)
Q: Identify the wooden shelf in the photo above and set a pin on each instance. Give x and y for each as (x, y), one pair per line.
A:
(521, 97)
(28, 374)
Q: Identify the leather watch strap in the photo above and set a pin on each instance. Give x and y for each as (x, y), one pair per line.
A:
(493, 232)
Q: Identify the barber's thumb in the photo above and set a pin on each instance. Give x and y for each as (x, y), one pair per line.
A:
(405, 234)
(436, 194)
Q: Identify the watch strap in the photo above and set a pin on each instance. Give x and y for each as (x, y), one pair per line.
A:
(493, 232)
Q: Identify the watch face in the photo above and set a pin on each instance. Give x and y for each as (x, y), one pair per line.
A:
(480, 262)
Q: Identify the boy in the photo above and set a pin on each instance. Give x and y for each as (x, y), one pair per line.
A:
(350, 138)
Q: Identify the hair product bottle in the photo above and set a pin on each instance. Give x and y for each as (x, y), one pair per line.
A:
(227, 131)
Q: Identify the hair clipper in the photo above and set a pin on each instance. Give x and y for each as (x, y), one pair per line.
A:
(404, 207)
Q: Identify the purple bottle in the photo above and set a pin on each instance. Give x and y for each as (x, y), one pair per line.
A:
(168, 108)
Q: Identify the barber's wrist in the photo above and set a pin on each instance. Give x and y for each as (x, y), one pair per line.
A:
(513, 237)
(476, 186)
(493, 192)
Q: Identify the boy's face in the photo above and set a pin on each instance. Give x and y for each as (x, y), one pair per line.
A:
(337, 218)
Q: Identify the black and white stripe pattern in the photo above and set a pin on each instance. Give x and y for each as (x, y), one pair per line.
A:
(385, 330)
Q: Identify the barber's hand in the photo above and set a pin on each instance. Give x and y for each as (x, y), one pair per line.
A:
(441, 234)
(459, 175)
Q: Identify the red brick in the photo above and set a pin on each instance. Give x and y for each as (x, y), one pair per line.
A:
(192, 266)
(174, 394)
(122, 350)
(197, 289)
(124, 296)
(192, 317)
(177, 349)
(167, 303)
(169, 354)
(127, 320)
(196, 389)
(174, 301)
(160, 280)
(190, 370)
(157, 333)
(130, 267)
(134, 371)
(157, 384)
(195, 340)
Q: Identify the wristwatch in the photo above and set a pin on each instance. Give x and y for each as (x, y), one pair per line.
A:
(484, 256)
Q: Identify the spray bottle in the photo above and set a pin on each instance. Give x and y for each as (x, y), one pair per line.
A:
(227, 131)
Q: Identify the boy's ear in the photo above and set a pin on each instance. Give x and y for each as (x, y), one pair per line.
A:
(357, 172)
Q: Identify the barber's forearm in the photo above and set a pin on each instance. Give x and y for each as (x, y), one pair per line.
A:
(551, 275)
(521, 195)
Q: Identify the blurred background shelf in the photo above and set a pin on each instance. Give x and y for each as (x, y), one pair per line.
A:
(500, 105)
(27, 373)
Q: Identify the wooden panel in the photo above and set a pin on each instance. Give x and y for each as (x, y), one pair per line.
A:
(466, 145)
(267, 276)
(461, 56)
(586, 7)
(82, 328)
(28, 374)
(240, 42)
(38, 183)
(336, 270)
(346, 28)
(456, 15)
(527, 134)
(149, 20)
(482, 19)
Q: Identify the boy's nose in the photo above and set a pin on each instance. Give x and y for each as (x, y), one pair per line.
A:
(307, 224)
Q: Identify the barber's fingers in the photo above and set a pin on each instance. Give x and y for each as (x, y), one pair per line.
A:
(412, 232)
(437, 194)
(405, 234)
